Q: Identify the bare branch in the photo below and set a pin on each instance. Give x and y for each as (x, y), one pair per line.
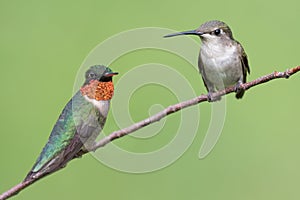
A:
(16, 189)
(155, 118)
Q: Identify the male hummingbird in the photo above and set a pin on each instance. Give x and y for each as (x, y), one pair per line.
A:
(222, 60)
(79, 124)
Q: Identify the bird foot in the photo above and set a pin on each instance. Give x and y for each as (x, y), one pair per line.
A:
(287, 73)
(239, 90)
(212, 98)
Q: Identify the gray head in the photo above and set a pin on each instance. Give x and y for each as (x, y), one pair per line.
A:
(209, 30)
(100, 73)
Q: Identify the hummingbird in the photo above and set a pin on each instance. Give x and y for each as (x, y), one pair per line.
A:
(222, 60)
(80, 122)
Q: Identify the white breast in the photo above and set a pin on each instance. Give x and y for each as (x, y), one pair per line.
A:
(222, 64)
(102, 106)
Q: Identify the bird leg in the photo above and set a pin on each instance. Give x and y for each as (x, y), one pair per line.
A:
(239, 89)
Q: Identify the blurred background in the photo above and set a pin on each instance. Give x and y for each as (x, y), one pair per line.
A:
(43, 45)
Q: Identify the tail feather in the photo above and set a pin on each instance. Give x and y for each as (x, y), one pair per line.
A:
(59, 161)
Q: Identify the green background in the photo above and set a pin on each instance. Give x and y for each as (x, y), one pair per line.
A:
(42, 46)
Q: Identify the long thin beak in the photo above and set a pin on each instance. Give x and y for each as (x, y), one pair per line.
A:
(110, 74)
(191, 32)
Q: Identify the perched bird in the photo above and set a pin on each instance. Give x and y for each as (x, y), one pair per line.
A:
(79, 124)
(222, 60)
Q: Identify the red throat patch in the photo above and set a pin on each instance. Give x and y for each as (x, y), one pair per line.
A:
(98, 90)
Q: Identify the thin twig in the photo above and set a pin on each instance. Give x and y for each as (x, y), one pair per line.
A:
(169, 110)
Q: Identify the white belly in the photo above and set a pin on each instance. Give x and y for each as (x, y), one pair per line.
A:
(222, 66)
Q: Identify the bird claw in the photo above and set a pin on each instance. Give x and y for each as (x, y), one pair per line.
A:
(287, 74)
(239, 90)
(213, 98)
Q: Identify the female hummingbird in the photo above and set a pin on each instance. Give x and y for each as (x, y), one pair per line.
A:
(79, 124)
(222, 60)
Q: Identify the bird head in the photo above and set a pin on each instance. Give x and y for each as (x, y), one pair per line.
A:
(212, 30)
(98, 83)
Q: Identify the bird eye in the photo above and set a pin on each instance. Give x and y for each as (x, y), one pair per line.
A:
(92, 75)
(217, 31)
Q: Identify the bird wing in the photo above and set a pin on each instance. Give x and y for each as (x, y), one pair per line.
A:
(61, 135)
(73, 127)
(244, 61)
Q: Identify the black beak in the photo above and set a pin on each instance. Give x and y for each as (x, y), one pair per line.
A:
(110, 74)
(192, 32)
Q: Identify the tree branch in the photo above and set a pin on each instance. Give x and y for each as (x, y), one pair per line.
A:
(169, 110)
